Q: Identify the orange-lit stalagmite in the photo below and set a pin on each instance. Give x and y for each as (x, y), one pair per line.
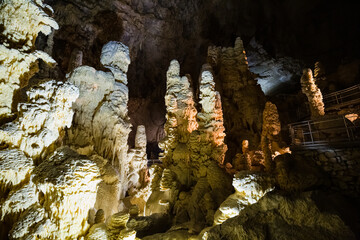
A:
(313, 93)
(271, 144)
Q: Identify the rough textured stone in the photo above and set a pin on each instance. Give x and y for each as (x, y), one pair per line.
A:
(241, 96)
(277, 216)
(20, 21)
(313, 93)
(56, 200)
(249, 188)
(47, 112)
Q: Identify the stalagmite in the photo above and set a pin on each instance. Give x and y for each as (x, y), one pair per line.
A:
(181, 113)
(271, 144)
(211, 118)
(138, 162)
(241, 96)
(193, 155)
(313, 93)
(101, 123)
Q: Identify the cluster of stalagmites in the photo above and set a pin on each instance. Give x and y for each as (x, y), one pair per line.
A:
(242, 98)
(53, 192)
(67, 171)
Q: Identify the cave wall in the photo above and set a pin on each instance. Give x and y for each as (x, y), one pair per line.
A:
(341, 165)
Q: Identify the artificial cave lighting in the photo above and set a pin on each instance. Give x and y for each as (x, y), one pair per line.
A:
(177, 120)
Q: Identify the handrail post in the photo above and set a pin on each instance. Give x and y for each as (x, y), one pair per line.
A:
(312, 139)
(347, 130)
(292, 134)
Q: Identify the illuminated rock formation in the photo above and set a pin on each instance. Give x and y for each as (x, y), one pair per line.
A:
(274, 74)
(193, 150)
(319, 76)
(15, 167)
(276, 216)
(211, 117)
(55, 201)
(101, 124)
(21, 22)
(241, 96)
(313, 93)
(181, 113)
(41, 120)
(138, 162)
(271, 144)
(249, 188)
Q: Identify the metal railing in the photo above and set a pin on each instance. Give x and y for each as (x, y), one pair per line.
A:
(342, 98)
(333, 101)
(153, 161)
(334, 131)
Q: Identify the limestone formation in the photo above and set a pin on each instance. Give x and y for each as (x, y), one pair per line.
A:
(20, 21)
(249, 188)
(274, 74)
(15, 167)
(16, 69)
(241, 96)
(23, 20)
(278, 216)
(56, 200)
(271, 144)
(319, 76)
(181, 112)
(313, 93)
(211, 116)
(41, 120)
(66, 168)
(101, 124)
(193, 155)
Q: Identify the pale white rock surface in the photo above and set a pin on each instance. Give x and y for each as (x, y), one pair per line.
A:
(57, 200)
(116, 57)
(21, 22)
(15, 167)
(101, 121)
(138, 162)
(40, 120)
(249, 188)
(15, 70)
(19, 200)
(101, 128)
